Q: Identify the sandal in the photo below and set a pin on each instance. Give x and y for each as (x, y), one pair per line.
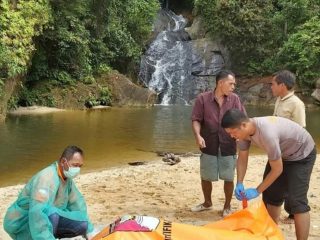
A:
(226, 212)
(200, 208)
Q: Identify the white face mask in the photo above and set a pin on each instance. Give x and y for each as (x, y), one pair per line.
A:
(72, 172)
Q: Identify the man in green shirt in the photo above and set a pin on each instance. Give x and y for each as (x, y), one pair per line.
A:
(50, 206)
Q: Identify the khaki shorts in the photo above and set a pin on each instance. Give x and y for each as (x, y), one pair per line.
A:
(213, 168)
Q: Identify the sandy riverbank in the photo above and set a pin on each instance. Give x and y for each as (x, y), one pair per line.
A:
(157, 189)
(37, 110)
(34, 110)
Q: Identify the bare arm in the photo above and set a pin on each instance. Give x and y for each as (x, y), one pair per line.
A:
(276, 170)
(196, 127)
(242, 164)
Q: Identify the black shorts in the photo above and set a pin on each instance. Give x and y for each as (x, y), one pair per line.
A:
(292, 184)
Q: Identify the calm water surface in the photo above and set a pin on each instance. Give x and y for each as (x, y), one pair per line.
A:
(108, 137)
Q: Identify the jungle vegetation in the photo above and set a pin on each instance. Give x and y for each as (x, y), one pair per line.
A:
(61, 42)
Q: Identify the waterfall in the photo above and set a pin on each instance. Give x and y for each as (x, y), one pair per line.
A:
(170, 66)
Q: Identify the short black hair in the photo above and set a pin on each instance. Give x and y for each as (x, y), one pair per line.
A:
(223, 74)
(233, 118)
(286, 77)
(69, 151)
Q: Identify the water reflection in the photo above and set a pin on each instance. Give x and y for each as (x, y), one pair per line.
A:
(109, 137)
(172, 129)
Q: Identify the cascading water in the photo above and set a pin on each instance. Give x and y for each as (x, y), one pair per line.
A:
(170, 66)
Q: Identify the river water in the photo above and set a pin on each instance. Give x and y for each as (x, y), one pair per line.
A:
(108, 137)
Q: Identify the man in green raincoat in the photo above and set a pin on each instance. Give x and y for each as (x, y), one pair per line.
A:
(50, 206)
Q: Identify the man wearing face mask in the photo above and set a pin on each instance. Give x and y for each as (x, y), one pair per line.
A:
(50, 206)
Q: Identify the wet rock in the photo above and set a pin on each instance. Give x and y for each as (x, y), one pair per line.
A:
(136, 163)
(196, 30)
(126, 93)
(316, 95)
(171, 159)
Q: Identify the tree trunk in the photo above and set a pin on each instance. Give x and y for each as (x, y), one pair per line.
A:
(7, 90)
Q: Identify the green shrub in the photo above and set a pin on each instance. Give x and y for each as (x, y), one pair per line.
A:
(20, 22)
(91, 101)
(243, 26)
(13, 102)
(265, 36)
(301, 53)
(39, 97)
(105, 96)
(103, 69)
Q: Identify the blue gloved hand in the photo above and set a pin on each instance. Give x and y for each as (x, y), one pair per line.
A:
(251, 193)
(239, 191)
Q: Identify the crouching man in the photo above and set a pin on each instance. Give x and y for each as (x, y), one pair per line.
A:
(50, 205)
(291, 155)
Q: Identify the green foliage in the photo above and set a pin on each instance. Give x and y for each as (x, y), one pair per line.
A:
(39, 97)
(87, 37)
(126, 28)
(104, 98)
(13, 102)
(91, 101)
(20, 22)
(301, 53)
(62, 77)
(288, 15)
(63, 49)
(103, 69)
(140, 18)
(244, 26)
(88, 80)
(60, 42)
(265, 36)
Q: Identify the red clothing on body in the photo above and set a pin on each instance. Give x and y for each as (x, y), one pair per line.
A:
(207, 111)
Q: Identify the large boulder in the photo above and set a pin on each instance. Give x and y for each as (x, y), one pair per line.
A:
(125, 92)
(255, 91)
(196, 30)
(318, 83)
(209, 57)
(316, 92)
(81, 96)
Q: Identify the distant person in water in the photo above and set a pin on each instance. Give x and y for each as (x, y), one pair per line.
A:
(291, 155)
(50, 206)
(288, 105)
(218, 157)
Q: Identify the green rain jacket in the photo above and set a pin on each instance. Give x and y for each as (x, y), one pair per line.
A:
(46, 193)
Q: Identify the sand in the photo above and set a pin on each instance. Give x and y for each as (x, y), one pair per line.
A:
(34, 110)
(164, 191)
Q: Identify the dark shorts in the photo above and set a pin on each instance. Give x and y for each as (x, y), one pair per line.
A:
(292, 184)
(66, 228)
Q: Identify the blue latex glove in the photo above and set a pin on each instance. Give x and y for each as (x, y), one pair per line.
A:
(239, 189)
(251, 193)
